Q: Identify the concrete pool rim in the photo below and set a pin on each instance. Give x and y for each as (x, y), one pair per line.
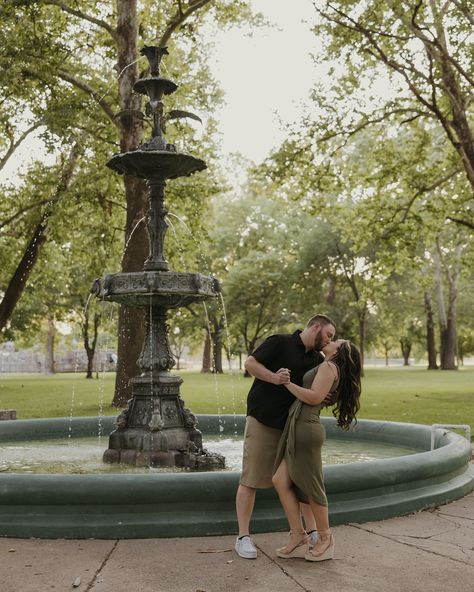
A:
(197, 504)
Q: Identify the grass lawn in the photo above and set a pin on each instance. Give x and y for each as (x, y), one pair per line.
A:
(396, 394)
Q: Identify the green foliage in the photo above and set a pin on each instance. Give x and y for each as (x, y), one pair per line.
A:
(58, 73)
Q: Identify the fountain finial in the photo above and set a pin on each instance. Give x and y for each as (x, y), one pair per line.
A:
(154, 56)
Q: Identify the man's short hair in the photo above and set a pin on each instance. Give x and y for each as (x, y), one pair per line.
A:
(322, 319)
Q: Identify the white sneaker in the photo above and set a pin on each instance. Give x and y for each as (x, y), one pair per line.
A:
(245, 548)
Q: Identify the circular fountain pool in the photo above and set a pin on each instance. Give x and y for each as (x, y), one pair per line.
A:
(75, 456)
(143, 503)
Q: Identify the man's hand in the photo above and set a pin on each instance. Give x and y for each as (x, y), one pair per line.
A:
(282, 376)
(258, 370)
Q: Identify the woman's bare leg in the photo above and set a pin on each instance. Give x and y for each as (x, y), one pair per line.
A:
(321, 515)
(289, 501)
(308, 515)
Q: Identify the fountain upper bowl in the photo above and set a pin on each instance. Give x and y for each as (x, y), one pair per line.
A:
(156, 164)
(169, 289)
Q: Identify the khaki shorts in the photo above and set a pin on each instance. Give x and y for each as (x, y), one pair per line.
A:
(260, 448)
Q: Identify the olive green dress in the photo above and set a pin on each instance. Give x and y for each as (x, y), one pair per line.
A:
(300, 445)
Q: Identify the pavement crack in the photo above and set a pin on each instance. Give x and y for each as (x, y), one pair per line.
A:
(391, 535)
(452, 520)
(282, 569)
(101, 567)
(446, 515)
(408, 544)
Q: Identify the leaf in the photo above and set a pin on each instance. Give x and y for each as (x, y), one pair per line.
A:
(178, 114)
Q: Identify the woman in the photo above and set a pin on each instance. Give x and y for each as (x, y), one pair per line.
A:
(299, 473)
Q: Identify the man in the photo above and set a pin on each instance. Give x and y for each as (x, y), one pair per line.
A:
(268, 402)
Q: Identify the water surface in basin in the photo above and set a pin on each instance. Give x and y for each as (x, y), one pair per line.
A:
(84, 455)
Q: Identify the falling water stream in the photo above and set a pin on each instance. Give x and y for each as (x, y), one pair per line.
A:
(221, 408)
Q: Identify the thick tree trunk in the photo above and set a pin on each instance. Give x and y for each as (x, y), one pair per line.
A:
(90, 365)
(447, 319)
(130, 341)
(448, 345)
(430, 333)
(50, 347)
(405, 345)
(206, 355)
(131, 331)
(21, 274)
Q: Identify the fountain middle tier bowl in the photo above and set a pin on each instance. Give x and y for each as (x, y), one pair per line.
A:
(168, 289)
(156, 164)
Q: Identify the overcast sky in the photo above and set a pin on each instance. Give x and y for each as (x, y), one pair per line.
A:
(265, 77)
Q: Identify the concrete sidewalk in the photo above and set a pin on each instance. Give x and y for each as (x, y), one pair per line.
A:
(431, 550)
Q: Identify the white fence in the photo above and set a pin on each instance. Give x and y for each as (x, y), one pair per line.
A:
(71, 361)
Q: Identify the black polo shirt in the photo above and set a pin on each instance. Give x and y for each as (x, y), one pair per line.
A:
(269, 403)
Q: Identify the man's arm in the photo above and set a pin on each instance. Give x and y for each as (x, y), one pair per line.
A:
(258, 370)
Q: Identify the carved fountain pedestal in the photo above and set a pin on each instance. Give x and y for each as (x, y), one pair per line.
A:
(156, 429)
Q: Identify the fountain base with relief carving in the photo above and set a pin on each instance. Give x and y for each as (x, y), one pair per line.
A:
(157, 430)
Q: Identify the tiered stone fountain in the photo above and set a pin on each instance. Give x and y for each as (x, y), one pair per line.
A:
(156, 429)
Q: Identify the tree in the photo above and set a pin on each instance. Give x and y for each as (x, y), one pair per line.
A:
(430, 332)
(257, 269)
(56, 60)
(184, 333)
(447, 262)
(421, 50)
(386, 194)
(20, 276)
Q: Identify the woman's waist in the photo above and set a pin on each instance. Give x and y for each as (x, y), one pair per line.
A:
(309, 412)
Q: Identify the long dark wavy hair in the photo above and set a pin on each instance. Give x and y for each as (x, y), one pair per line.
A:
(347, 359)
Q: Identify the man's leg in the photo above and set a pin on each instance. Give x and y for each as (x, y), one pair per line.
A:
(244, 503)
(260, 445)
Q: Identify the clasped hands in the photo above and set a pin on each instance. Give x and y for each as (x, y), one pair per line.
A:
(282, 376)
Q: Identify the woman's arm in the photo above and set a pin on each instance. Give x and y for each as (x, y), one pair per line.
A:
(321, 386)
